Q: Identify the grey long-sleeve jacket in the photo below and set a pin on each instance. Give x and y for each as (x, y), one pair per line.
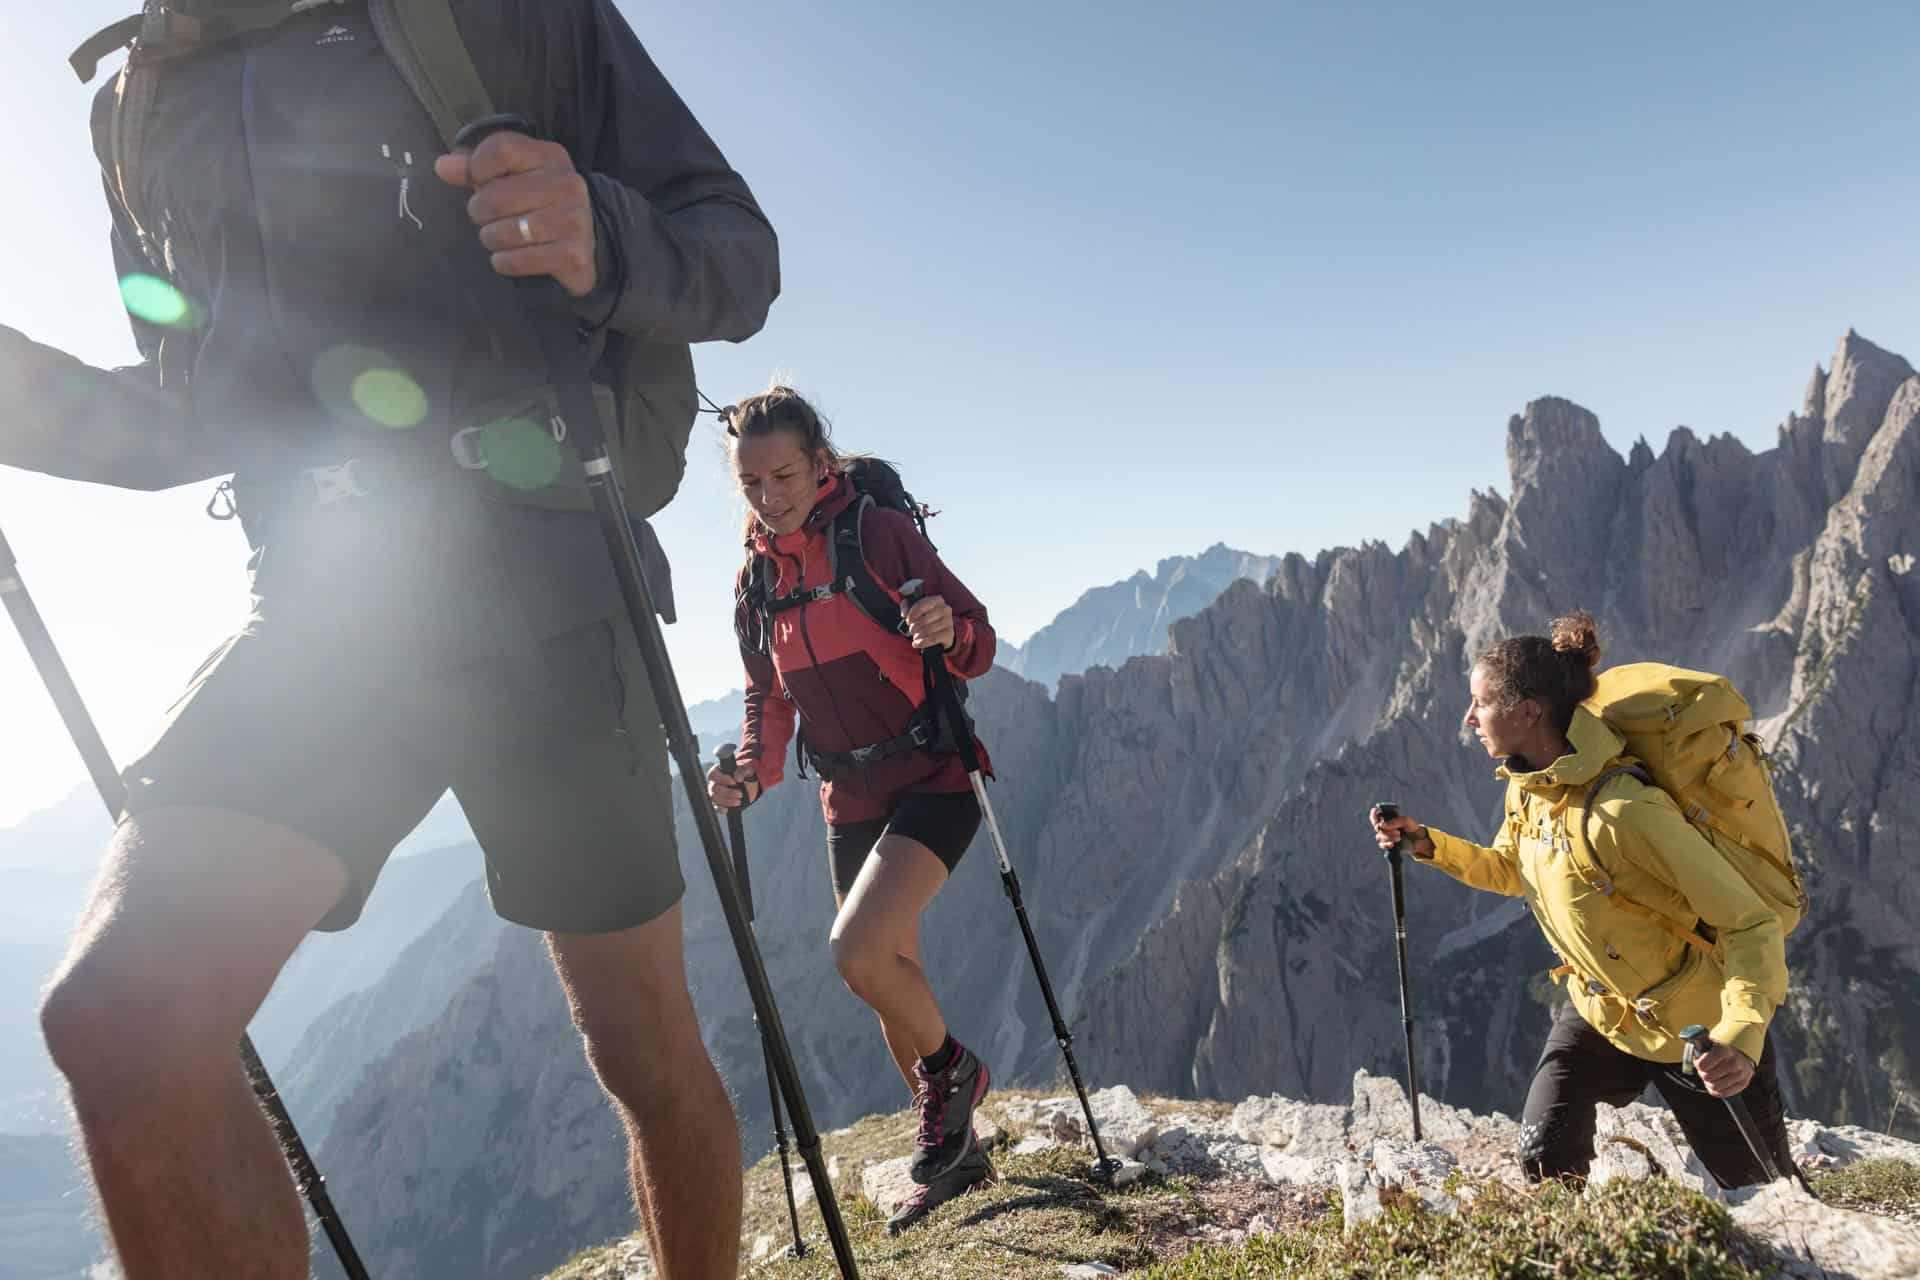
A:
(308, 244)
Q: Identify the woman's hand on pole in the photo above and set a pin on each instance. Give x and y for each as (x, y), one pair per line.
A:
(930, 623)
(732, 790)
(1388, 831)
(1724, 1070)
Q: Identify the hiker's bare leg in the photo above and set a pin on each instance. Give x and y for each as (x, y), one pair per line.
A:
(899, 1044)
(876, 946)
(628, 991)
(194, 914)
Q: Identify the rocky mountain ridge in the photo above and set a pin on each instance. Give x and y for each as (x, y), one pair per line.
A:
(1267, 1164)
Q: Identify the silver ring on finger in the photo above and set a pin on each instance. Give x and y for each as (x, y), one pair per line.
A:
(526, 229)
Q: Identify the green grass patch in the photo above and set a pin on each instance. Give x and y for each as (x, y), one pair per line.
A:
(1880, 1185)
(1651, 1231)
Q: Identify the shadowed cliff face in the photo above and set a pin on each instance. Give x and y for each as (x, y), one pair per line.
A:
(1190, 830)
(1801, 588)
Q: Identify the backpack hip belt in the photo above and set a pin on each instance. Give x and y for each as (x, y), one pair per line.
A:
(929, 732)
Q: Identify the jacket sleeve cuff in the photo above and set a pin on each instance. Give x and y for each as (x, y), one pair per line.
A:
(595, 310)
(1449, 852)
(769, 774)
(1749, 1038)
(1744, 1027)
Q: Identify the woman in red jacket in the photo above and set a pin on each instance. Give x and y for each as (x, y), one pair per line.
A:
(900, 810)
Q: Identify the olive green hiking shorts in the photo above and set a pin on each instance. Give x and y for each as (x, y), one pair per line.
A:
(333, 714)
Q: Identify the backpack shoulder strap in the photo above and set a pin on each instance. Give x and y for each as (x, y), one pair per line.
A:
(1596, 875)
(424, 42)
(846, 548)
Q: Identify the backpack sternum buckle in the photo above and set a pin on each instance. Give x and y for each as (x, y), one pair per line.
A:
(336, 483)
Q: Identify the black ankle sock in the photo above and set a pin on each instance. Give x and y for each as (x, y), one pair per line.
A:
(941, 1058)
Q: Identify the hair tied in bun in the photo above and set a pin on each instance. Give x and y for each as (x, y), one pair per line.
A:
(1577, 634)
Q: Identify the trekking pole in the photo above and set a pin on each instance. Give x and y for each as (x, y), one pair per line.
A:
(1700, 1043)
(1403, 845)
(726, 756)
(113, 792)
(948, 704)
(549, 313)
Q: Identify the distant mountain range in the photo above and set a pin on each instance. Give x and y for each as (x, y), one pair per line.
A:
(1111, 624)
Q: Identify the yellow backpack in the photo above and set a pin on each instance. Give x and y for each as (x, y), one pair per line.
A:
(1687, 730)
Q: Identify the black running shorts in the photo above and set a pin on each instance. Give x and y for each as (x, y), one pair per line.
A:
(348, 733)
(944, 822)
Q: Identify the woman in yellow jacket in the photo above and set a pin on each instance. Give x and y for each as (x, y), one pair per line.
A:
(1632, 983)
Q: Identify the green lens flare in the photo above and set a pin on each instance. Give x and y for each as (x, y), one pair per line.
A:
(153, 300)
(390, 398)
(363, 386)
(521, 453)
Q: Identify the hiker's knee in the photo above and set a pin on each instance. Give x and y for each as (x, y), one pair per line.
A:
(102, 1021)
(194, 914)
(861, 959)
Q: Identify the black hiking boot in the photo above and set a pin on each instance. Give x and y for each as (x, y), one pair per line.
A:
(973, 1171)
(947, 1100)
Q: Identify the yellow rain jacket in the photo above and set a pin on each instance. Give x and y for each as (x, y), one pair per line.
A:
(1629, 977)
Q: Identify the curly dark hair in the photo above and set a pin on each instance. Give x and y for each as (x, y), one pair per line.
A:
(1555, 669)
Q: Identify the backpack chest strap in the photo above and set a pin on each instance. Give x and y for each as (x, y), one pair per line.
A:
(812, 595)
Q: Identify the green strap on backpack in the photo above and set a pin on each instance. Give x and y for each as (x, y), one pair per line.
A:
(652, 406)
(1687, 729)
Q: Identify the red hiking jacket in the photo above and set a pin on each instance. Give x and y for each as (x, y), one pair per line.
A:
(851, 682)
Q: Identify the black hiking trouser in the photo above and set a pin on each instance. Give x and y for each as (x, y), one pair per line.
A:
(1580, 1068)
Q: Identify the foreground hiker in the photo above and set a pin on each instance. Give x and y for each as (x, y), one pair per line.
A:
(900, 811)
(326, 307)
(1656, 926)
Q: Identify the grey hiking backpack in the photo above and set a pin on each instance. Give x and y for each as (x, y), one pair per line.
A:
(651, 405)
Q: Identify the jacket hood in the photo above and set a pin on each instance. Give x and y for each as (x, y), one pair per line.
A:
(1595, 747)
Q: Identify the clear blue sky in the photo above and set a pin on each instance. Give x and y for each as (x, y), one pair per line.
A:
(1116, 281)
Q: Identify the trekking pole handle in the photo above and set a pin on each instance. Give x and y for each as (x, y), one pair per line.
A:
(475, 132)
(910, 592)
(1699, 1044)
(1403, 847)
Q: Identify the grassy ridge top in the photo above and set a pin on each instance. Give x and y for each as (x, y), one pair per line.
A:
(1044, 1216)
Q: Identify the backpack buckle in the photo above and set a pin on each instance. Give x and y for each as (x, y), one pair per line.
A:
(336, 483)
(467, 453)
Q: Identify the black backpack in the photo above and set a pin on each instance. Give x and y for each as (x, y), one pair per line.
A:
(648, 410)
(877, 484)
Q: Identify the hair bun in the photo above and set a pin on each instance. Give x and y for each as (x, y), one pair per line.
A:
(1577, 633)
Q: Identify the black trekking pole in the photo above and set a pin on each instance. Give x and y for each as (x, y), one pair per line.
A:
(726, 756)
(948, 704)
(1400, 939)
(549, 312)
(1700, 1043)
(113, 792)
